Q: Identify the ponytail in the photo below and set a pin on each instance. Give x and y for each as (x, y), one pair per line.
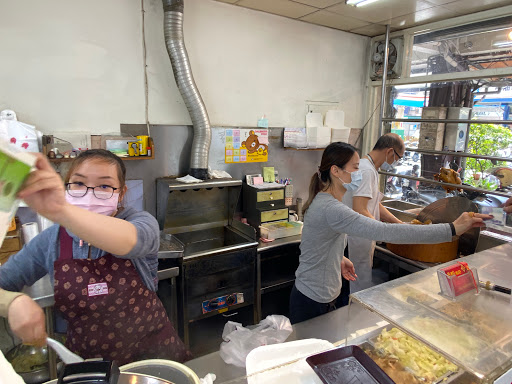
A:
(314, 187)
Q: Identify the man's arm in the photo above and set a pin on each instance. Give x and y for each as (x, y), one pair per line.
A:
(508, 205)
(25, 317)
(387, 216)
(360, 205)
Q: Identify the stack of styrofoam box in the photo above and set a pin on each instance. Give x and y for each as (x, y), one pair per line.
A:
(335, 120)
(432, 134)
(318, 135)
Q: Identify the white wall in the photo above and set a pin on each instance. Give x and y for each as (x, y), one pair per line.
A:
(76, 66)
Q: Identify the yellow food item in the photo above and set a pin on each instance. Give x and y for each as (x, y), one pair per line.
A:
(416, 221)
(414, 355)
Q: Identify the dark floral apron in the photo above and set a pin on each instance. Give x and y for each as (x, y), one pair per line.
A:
(109, 310)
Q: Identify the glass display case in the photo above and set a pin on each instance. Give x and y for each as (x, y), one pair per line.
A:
(467, 340)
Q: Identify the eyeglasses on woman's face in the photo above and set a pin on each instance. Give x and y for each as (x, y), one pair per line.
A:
(79, 189)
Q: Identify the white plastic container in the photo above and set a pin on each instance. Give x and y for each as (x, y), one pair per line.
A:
(285, 363)
(281, 229)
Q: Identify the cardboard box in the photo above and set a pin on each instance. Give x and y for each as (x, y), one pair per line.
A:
(432, 134)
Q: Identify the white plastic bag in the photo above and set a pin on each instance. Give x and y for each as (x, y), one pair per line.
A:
(208, 379)
(20, 135)
(239, 341)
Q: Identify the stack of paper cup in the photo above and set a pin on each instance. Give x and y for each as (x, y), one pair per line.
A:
(319, 136)
(335, 119)
(30, 230)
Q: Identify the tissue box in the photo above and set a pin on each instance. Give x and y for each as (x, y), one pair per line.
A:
(335, 119)
(340, 134)
(318, 137)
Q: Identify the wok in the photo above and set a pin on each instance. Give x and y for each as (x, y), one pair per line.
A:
(446, 211)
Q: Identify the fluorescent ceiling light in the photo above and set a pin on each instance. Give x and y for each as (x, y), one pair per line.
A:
(360, 3)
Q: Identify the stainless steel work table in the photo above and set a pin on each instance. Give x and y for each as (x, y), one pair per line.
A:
(330, 327)
(264, 246)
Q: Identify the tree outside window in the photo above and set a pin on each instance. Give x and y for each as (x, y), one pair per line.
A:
(490, 140)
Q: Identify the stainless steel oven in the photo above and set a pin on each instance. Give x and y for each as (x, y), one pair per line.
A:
(217, 269)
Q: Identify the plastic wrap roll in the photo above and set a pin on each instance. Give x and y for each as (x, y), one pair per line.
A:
(30, 230)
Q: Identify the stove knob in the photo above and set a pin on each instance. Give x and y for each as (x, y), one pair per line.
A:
(230, 300)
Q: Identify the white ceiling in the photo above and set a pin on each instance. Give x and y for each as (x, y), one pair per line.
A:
(370, 20)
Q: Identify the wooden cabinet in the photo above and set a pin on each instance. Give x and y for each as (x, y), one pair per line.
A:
(12, 244)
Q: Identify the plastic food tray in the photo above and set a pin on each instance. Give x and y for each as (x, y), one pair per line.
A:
(347, 365)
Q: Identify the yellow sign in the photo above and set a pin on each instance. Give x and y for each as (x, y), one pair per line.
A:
(246, 145)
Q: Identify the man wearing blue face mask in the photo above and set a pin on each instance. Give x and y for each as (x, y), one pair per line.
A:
(365, 200)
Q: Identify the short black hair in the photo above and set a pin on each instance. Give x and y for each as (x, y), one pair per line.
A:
(389, 140)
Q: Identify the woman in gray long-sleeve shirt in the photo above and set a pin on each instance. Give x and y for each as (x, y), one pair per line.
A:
(327, 221)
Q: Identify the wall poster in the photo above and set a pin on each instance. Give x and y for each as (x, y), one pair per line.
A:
(246, 145)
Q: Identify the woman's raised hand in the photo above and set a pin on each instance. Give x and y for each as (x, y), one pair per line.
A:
(44, 191)
(469, 220)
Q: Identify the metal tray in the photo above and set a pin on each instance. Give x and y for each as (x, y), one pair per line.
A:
(368, 341)
(347, 365)
(170, 247)
(447, 378)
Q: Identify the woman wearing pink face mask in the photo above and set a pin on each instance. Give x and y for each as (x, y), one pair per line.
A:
(102, 258)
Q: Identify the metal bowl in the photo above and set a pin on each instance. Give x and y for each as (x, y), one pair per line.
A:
(30, 362)
(165, 369)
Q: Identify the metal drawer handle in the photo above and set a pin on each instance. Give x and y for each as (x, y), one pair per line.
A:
(233, 314)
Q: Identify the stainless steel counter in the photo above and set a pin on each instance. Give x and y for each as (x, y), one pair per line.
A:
(330, 327)
(333, 326)
(264, 246)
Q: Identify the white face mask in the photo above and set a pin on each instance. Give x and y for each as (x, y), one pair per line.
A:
(355, 180)
(388, 167)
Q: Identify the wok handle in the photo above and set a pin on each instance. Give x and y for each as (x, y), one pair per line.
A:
(96, 371)
(499, 288)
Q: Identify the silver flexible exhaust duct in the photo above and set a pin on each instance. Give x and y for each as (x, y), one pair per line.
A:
(173, 29)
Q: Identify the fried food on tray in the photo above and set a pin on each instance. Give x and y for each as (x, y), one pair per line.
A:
(393, 368)
(456, 311)
(416, 221)
(419, 359)
(448, 175)
(486, 326)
